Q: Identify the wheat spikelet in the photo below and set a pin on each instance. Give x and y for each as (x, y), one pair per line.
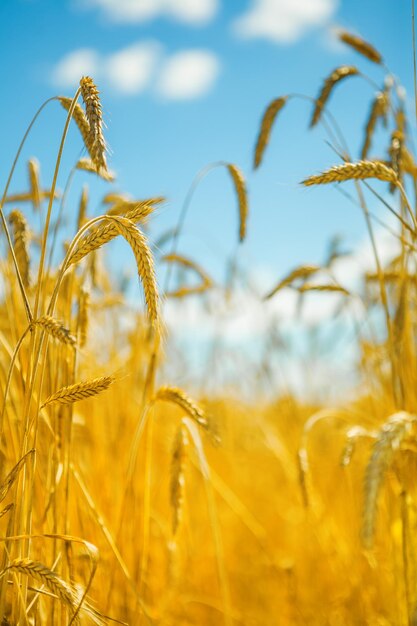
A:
(46, 576)
(12, 475)
(20, 244)
(302, 272)
(35, 190)
(95, 143)
(361, 46)
(329, 288)
(83, 316)
(266, 126)
(56, 329)
(240, 186)
(80, 391)
(177, 482)
(354, 171)
(180, 398)
(82, 208)
(102, 234)
(144, 260)
(87, 165)
(389, 439)
(378, 109)
(340, 73)
(206, 282)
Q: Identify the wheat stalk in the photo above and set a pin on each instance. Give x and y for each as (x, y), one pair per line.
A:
(361, 46)
(268, 120)
(12, 475)
(340, 73)
(354, 171)
(82, 207)
(329, 288)
(80, 391)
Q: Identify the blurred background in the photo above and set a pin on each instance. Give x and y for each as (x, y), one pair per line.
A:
(184, 83)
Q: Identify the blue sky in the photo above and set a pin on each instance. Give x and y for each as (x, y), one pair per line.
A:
(164, 125)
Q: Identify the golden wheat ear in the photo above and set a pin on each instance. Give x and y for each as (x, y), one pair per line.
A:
(21, 244)
(80, 391)
(267, 122)
(360, 45)
(242, 198)
(354, 171)
(339, 74)
(95, 141)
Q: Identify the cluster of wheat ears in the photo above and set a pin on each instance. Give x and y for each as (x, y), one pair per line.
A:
(124, 500)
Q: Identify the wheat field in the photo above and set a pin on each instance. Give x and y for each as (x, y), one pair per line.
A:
(126, 499)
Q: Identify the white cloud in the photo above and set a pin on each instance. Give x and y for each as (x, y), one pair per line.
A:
(188, 74)
(69, 70)
(194, 12)
(130, 70)
(283, 21)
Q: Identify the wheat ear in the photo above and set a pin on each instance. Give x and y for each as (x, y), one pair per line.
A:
(144, 261)
(361, 46)
(242, 197)
(55, 328)
(301, 272)
(46, 576)
(354, 171)
(389, 439)
(177, 396)
(83, 316)
(102, 234)
(268, 120)
(206, 281)
(33, 168)
(20, 244)
(378, 109)
(95, 143)
(87, 165)
(340, 73)
(80, 391)
(177, 482)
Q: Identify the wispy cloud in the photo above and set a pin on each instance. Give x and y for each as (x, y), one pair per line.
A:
(283, 21)
(193, 12)
(131, 69)
(68, 71)
(188, 74)
(185, 75)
